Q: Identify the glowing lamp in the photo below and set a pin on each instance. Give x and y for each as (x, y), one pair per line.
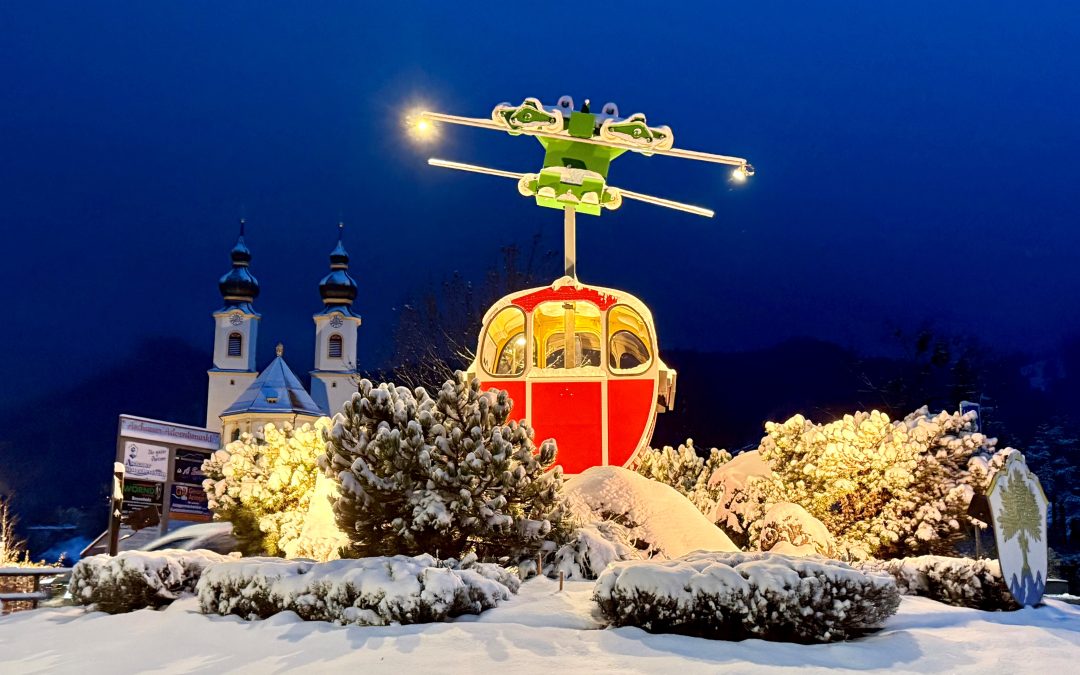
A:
(420, 128)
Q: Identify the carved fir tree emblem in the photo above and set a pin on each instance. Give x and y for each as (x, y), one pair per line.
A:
(1019, 515)
(1018, 507)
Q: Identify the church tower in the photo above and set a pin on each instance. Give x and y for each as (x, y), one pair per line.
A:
(236, 327)
(333, 380)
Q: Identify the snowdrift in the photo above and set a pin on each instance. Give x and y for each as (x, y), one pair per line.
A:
(733, 596)
(659, 520)
(373, 591)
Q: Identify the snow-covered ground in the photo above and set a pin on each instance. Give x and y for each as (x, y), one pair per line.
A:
(539, 631)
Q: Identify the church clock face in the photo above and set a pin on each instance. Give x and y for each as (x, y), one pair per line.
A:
(336, 322)
(236, 319)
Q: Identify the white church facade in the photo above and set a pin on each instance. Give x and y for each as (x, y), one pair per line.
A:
(242, 399)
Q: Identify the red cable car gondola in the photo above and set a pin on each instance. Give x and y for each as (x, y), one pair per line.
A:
(581, 364)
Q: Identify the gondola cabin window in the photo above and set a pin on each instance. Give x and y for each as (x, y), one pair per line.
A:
(568, 335)
(503, 349)
(629, 342)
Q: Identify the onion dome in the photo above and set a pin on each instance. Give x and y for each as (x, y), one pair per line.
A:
(338, 288)
(239, 286)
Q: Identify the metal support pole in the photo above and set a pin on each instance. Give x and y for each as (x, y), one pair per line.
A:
(116, 503)
(570, 242)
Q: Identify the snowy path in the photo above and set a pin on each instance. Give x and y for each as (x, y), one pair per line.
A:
(539, 631)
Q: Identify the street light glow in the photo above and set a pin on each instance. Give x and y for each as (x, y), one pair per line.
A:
(419, 127)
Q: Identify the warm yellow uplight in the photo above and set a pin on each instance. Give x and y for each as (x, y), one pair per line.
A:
(739, 175)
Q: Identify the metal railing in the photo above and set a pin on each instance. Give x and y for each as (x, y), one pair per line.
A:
(38, 594)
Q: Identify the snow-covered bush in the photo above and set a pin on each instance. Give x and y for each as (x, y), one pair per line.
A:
(591, 549)
(882, 488)
(363, 592)
(137, 579)
(264, 486)
(622, 515)
(740, 502)
(963, 582)
(732, 596)
(789, 529)
(443, 476)
(686, 471)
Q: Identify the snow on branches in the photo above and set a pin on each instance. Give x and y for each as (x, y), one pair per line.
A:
(138, 579)
(369, 592)
(882, 488)
(733, 596)
(686, 471)
(955, 581)
(264, 487)
(442, 475)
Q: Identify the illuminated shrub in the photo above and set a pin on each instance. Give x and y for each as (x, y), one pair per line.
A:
(685, 470)
(882, 488)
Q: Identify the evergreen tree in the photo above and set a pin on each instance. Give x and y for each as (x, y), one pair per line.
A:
(263, 486)
(686, 471)
(445, 475)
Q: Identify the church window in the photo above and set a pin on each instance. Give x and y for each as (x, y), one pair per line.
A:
(236, 344)
(334, 348)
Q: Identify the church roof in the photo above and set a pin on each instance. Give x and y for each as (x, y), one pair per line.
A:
(239, 287)
(275, 390)
(338, 289)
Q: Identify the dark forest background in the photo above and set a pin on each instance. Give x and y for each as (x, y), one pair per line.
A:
(56, 451)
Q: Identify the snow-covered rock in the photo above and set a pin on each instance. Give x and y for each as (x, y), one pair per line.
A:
(963, 582)
(658, 519)
(367, 592)
(789, 529)
(137, 579)
(739, 595)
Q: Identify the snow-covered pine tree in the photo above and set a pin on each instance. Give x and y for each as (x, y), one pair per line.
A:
(444, 475)
(883, 488)
(686, 471)
(264, 486)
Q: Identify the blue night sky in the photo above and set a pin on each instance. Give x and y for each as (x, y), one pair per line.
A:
(915, 163)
